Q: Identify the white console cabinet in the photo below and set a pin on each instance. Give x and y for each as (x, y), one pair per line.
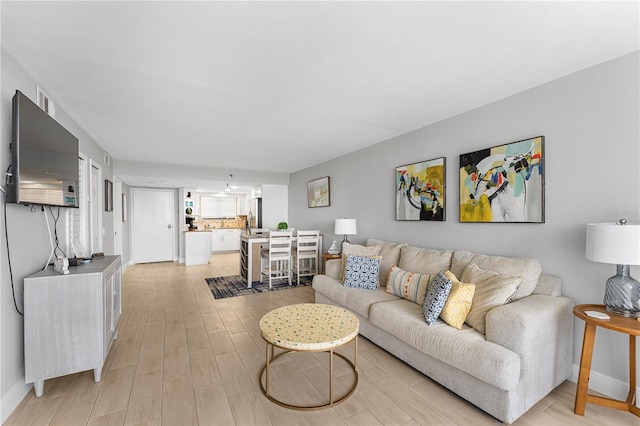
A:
(71, 320)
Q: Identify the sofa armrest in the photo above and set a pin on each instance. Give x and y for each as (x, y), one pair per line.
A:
(539, 329)
(332, 268)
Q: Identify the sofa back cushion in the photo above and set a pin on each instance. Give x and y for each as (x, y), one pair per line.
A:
(527, 268)
(429, 261)
(390, 253)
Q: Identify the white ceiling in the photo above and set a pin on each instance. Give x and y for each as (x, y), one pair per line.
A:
(281, 86)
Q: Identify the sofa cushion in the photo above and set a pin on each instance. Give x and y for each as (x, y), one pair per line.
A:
(458, 303)
(436, 298)
(425, 260)
(358, 250)
(527, 268)
(362, 272)
(331, 288)
(390, 253)
(409, 285)
(464, 349)
(492, 290)
(357, 299)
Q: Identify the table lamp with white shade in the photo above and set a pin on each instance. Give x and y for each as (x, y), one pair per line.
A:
(345, 227)
(617, 243)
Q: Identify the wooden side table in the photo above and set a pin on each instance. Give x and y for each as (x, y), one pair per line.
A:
(621, 324)
(329, 256)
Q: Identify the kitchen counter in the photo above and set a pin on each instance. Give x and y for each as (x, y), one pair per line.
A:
(197, 247)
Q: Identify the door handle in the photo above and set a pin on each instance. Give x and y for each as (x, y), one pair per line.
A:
(169, 226)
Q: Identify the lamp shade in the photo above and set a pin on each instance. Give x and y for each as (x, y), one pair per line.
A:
(345, 227)
(613, 243)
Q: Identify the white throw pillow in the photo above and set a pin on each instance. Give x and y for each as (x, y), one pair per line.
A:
(492, 290)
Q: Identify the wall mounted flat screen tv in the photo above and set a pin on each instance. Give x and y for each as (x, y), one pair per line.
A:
(45, 158)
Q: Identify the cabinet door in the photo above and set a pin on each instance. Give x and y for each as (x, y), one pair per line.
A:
(216, 241)
(117, 298)
(108, 311)
(232, 240)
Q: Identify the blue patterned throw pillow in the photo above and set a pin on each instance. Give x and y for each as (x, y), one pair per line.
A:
(436, 297)
(362, 272)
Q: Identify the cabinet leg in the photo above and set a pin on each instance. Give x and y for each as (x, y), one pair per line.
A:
(38, 387)
(115, 334)
(97, 374)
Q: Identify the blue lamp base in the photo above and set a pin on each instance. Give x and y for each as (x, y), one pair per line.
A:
(622, 294)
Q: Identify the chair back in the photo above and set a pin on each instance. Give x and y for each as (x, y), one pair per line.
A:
(262, 232)
(307, 246)
(280, 244)
(314, 233)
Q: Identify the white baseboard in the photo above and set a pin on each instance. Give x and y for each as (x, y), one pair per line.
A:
(11, 400)
(613, 388)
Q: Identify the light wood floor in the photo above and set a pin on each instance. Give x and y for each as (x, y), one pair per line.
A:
(183, 357)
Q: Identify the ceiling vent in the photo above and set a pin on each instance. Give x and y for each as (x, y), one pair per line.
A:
(107, 159)
(45, 102)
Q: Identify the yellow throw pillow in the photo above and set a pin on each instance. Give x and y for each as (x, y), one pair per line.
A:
(458, 304)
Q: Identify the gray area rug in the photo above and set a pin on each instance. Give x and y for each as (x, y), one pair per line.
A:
(234, 285)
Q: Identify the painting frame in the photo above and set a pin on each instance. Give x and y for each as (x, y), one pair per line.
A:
(421, 191)
(108, 195)
(504, 183)
(319, 192)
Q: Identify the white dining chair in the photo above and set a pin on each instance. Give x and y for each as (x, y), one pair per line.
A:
(278, 257)
(306, 253)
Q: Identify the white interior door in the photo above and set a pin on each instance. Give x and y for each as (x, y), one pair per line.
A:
(152, 225)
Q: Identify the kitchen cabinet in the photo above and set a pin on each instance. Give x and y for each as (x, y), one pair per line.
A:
(225, 240)
(197, 247)
(70, 321)
(218, 207)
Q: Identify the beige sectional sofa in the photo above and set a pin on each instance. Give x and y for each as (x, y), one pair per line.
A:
(525, 353)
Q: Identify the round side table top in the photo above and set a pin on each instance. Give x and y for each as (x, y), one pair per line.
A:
(309, 327)
(615, 322)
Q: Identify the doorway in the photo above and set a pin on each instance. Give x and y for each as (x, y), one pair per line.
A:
(152, 225)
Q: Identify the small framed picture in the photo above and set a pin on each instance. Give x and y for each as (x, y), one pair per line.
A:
(318, 192)
(108, 195)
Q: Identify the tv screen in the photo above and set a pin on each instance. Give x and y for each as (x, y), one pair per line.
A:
(45, 158)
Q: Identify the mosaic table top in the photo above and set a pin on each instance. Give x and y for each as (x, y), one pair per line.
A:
(309, 327)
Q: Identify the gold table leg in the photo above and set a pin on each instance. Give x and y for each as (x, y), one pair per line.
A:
(266, 372)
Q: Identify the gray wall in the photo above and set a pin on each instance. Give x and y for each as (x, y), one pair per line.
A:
(28, 236)
(591, 123)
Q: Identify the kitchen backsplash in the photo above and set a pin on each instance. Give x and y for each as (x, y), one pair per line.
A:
(206, 224)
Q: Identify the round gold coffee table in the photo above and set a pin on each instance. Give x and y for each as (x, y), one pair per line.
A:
(309, 327)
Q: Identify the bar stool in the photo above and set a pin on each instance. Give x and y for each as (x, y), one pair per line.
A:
(278, 256)
(306, 253)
